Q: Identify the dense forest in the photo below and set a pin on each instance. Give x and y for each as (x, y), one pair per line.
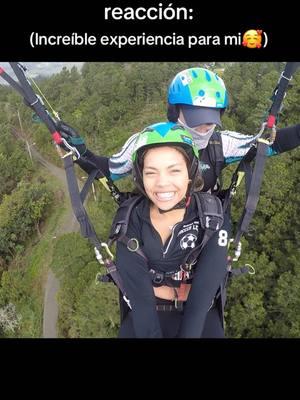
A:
(106, 103)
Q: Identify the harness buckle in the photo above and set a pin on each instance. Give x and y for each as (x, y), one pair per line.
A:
(271, 138)
(187, 267)
(237, 251)
(211, 223)
(207, 221)
(178, 276)
(73, 150)
(105, 278)
(178, 304)
(158, 277)
(182, 275)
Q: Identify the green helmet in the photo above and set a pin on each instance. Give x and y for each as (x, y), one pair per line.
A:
(198, 87)
(164, 134)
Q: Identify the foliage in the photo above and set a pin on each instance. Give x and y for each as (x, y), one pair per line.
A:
(20, 214)
(86, 309)
(106, 103)
(14, 163)
(9, 319)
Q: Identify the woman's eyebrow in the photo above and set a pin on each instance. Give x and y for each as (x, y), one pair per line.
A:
(169, 166)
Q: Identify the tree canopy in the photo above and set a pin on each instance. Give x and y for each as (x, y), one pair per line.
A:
(106, 103)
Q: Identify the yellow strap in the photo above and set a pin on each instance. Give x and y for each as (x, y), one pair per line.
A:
(241, 175)
(265, 141)
(44, 97)
(104, 183)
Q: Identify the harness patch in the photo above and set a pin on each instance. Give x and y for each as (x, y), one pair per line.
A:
(186, 228)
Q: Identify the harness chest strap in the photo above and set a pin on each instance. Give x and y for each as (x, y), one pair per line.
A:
(211, 219)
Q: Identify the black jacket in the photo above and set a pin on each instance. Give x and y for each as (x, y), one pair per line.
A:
(134, 269)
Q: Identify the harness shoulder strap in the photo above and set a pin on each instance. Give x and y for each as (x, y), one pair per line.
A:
(211, 218)
(215, 151)
(210, 210)
(121, 220)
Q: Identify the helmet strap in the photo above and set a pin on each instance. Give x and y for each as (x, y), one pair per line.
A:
(173, 112)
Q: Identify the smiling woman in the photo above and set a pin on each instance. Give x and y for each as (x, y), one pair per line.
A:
(165, 291)
(166, 179)
(158, 168)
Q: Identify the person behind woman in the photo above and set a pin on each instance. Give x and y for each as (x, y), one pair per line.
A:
(197, 99)
(166, 225)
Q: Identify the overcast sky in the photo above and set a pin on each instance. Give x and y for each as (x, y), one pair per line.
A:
(41, 68)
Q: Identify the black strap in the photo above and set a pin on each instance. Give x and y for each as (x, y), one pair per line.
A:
(211, 217)
(279, 91)
(12, 82)
(254, 190)
(87, 185)
(216, 156)
(86, 228)
(31, 98)
(235, 272)
(121, 219)
(114, 274)
(259, 153)
(179, 306)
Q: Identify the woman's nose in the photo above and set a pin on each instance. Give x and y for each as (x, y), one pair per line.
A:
(162, 180)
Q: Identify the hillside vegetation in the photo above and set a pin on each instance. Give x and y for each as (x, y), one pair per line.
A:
(106, 103)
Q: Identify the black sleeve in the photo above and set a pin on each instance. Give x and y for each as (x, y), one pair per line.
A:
(287, 139)
(136, 279)
(209, 274)
(89, 161)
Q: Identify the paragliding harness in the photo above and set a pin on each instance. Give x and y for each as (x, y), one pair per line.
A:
(253, 177)
(211, 219)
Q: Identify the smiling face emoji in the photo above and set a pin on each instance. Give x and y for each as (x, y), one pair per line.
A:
(252, 39)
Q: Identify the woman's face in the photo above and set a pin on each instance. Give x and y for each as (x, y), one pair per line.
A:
(165, 176)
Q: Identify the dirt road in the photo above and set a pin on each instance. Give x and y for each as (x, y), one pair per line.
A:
(66, 225)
